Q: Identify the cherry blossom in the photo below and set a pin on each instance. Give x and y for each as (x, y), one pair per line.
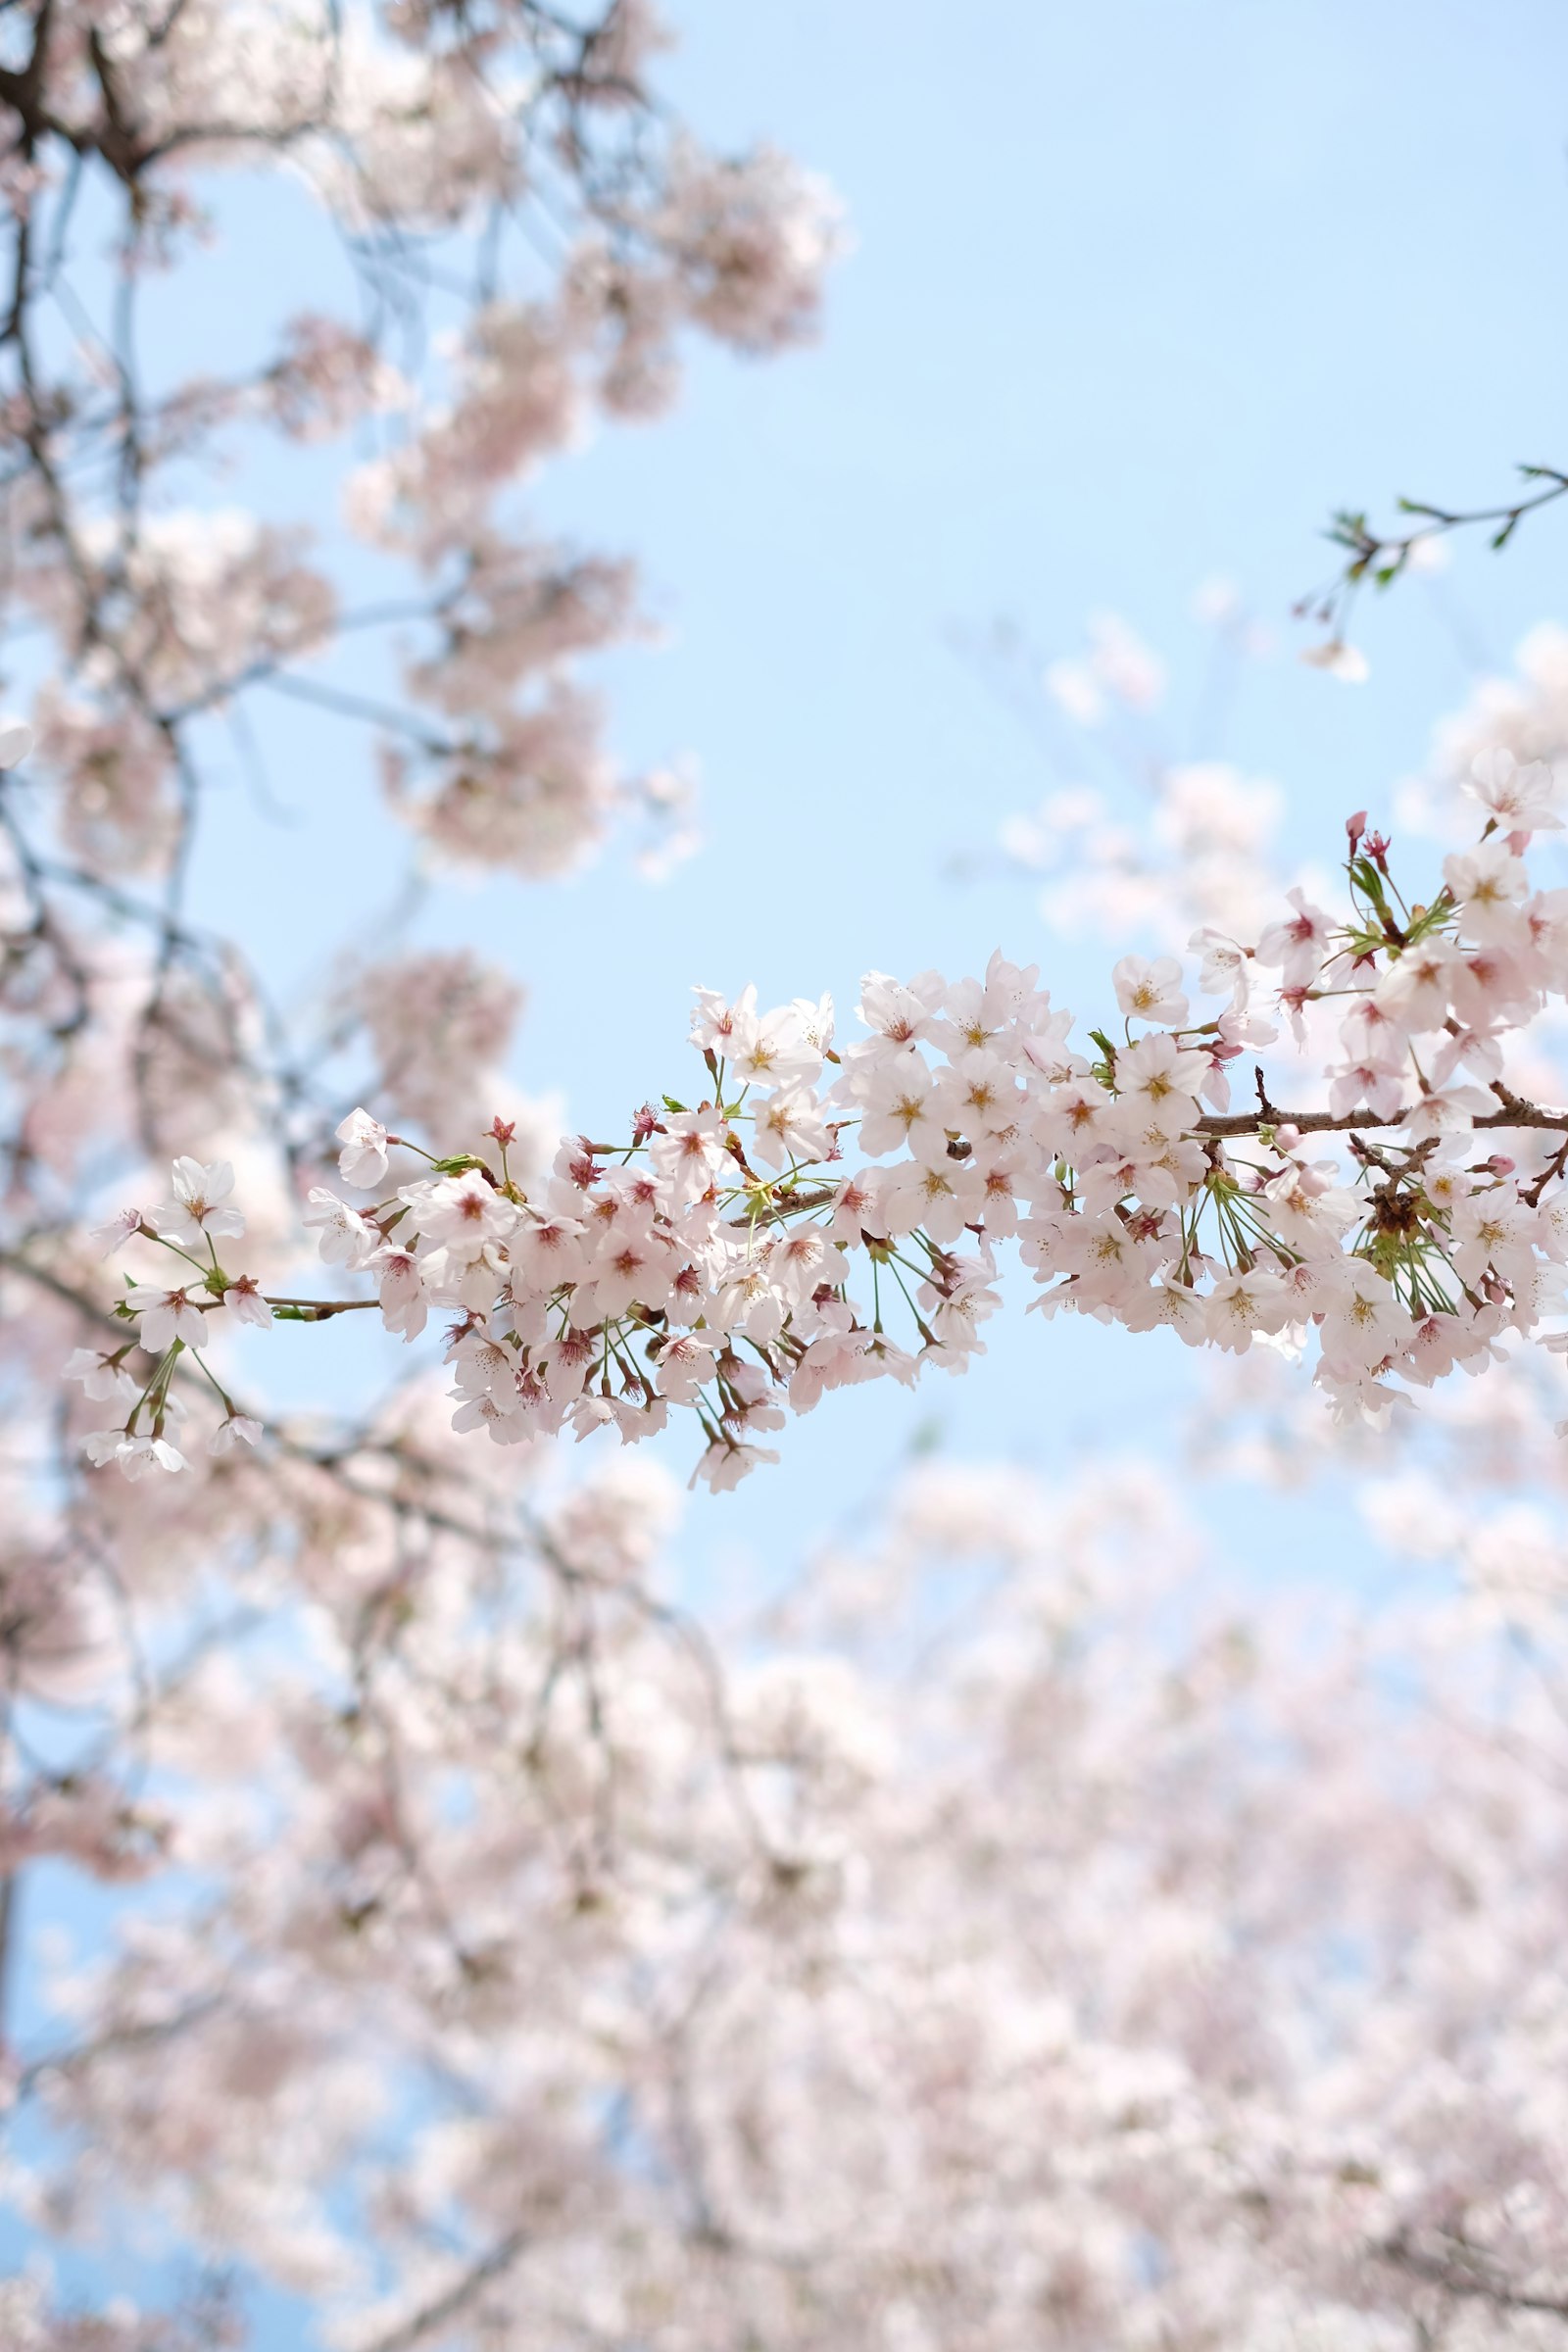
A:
(197, 1210)
(1131, 1202)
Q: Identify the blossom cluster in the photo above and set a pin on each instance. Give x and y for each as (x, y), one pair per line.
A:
(824, 1216)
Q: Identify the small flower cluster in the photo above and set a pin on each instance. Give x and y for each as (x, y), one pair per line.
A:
(171, 1320)
(723, 1257)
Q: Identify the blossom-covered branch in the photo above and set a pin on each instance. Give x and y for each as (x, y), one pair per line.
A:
(724, 1258)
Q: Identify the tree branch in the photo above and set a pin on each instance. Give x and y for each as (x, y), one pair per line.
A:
(457, 2299)
(1450, 2272)
(1515, 1113)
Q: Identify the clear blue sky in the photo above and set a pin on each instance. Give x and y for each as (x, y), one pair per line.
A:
(1139, 292)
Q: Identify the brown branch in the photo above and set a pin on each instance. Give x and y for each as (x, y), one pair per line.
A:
(1328, 1122)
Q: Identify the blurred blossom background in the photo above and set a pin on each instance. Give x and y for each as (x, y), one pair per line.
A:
(1132, 297)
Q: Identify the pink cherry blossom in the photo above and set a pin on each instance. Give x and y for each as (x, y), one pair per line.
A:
(363, 1160)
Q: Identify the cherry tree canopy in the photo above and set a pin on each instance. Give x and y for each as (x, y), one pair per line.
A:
(1022, 1930)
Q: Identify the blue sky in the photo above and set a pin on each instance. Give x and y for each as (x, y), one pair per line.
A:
(1138, 293)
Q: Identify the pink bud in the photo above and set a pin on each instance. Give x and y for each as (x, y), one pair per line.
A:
(1501, 1166)
(1287, 1137)
(1356, 826)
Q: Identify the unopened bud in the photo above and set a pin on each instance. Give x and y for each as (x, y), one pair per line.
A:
(1356, 826)
(1287, 1137)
